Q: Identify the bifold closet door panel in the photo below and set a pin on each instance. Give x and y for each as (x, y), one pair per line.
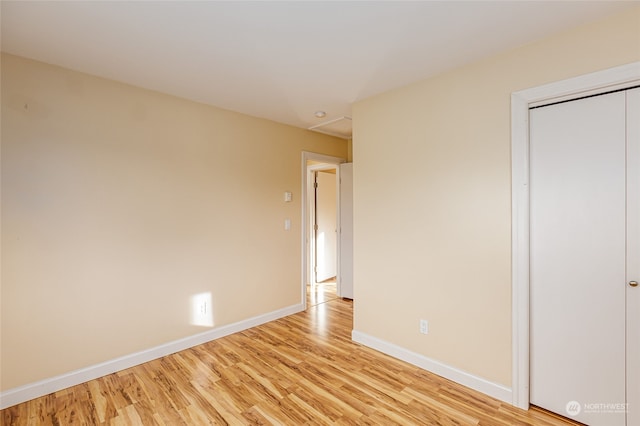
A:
(577, 263)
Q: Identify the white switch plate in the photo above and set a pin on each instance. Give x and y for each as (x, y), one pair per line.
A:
(287, 197)
(287, 224)
(424, 326)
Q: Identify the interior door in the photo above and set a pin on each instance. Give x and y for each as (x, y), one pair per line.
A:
(345, 264)
(326, 226)
(633, 257)
(579, 267)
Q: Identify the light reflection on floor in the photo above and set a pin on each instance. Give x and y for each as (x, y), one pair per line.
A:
(317, 297)
(321, 293)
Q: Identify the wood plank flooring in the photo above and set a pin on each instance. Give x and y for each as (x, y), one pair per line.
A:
(300, 370)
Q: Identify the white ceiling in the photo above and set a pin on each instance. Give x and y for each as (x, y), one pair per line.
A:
(280, 60)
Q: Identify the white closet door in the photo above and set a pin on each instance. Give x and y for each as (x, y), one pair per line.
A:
(577, 236)
(633, 256)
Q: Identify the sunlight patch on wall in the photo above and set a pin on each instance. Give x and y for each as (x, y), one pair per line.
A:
(201, 310)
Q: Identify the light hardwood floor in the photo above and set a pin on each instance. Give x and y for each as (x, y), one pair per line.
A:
(299, 370)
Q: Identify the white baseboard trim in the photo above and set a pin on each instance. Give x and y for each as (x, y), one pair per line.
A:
(479, 384)
(44, 387)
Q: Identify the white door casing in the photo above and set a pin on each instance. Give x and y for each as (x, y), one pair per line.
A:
(311, 161)
(602, 81)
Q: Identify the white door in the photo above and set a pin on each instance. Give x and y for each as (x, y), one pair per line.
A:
(633, 257)
(326, 226)
(579, 265)
(345, 275)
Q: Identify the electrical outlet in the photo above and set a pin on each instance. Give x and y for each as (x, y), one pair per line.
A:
(202, 309)
(424, 326)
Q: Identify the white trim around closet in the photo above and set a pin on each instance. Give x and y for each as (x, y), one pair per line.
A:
(617, 78)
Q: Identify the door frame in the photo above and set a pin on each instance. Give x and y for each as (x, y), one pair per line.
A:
(326, 162)
(590, 84)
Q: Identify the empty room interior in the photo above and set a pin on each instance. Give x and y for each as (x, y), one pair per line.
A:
(376, 213)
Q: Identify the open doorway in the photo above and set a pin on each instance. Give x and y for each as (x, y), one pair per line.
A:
(323, 211)
(324, 225)
(321, 248)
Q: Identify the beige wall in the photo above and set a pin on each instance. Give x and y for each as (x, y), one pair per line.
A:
(432, 197)
(119, 204)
